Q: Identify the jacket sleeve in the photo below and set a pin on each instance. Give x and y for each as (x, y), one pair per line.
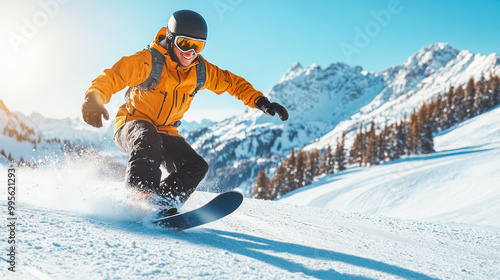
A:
(220, 81)
(128, 71)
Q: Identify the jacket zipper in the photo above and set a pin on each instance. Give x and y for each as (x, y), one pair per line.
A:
(182, 103)
(165, 94)
(174, 102)
(162, 103)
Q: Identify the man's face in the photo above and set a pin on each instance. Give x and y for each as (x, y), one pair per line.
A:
(185, 58)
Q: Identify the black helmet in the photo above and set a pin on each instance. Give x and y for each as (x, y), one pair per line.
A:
(187, 23)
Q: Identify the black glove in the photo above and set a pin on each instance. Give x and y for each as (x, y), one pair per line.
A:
(271, 108)
(93, 109)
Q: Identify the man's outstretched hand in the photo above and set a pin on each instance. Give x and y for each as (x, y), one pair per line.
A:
(271, 109)
(93, 109)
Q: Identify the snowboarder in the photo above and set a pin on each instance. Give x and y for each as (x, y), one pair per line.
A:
(163, 80)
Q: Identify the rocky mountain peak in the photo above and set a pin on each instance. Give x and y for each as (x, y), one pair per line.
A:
(432, 57)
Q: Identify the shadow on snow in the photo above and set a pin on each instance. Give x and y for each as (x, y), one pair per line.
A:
(255, 247)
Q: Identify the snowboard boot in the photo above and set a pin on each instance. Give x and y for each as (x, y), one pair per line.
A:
(165, 207)
(167, 212)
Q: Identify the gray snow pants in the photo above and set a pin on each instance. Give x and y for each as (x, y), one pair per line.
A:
(148, 150)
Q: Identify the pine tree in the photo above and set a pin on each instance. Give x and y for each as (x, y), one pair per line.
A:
(312, 167)
(356, 152)
(449, 113)
(468, 99)
(438, 113)
(491, 84)
(426, 140)
(290, 166)
(262, 189)
(458, 106)
(390, 149)
(370, 156)
(300, 175)
(278, 182)
(340, 153)
(486, 93)
(328, 166)
(432, 114)
(385, 144)
(401, 136)
(481, 97)
(495, 91)
(414, 129)
(21, 162)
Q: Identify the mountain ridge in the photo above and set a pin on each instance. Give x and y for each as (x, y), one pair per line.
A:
(404, 94)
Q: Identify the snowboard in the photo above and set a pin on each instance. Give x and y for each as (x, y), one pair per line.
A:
(219, 207)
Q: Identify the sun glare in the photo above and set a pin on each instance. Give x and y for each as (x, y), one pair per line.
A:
(29, 45)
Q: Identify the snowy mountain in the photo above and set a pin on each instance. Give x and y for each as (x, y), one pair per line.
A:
(427, 73)
(75, 222)
(324, 103)
(18, 139)
(40, 139)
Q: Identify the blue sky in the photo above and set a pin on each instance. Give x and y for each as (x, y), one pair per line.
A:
(52, 49)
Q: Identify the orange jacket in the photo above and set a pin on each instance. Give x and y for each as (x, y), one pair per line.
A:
(171, 98)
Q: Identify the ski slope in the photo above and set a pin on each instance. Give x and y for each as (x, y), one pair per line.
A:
(424, 217)
(262, 240)
(457, 184)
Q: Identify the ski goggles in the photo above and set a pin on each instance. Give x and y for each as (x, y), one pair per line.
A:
(186, 44)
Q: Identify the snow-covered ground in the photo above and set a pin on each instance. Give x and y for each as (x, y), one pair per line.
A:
(262, 240)
(457, 184)
(425, 217)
